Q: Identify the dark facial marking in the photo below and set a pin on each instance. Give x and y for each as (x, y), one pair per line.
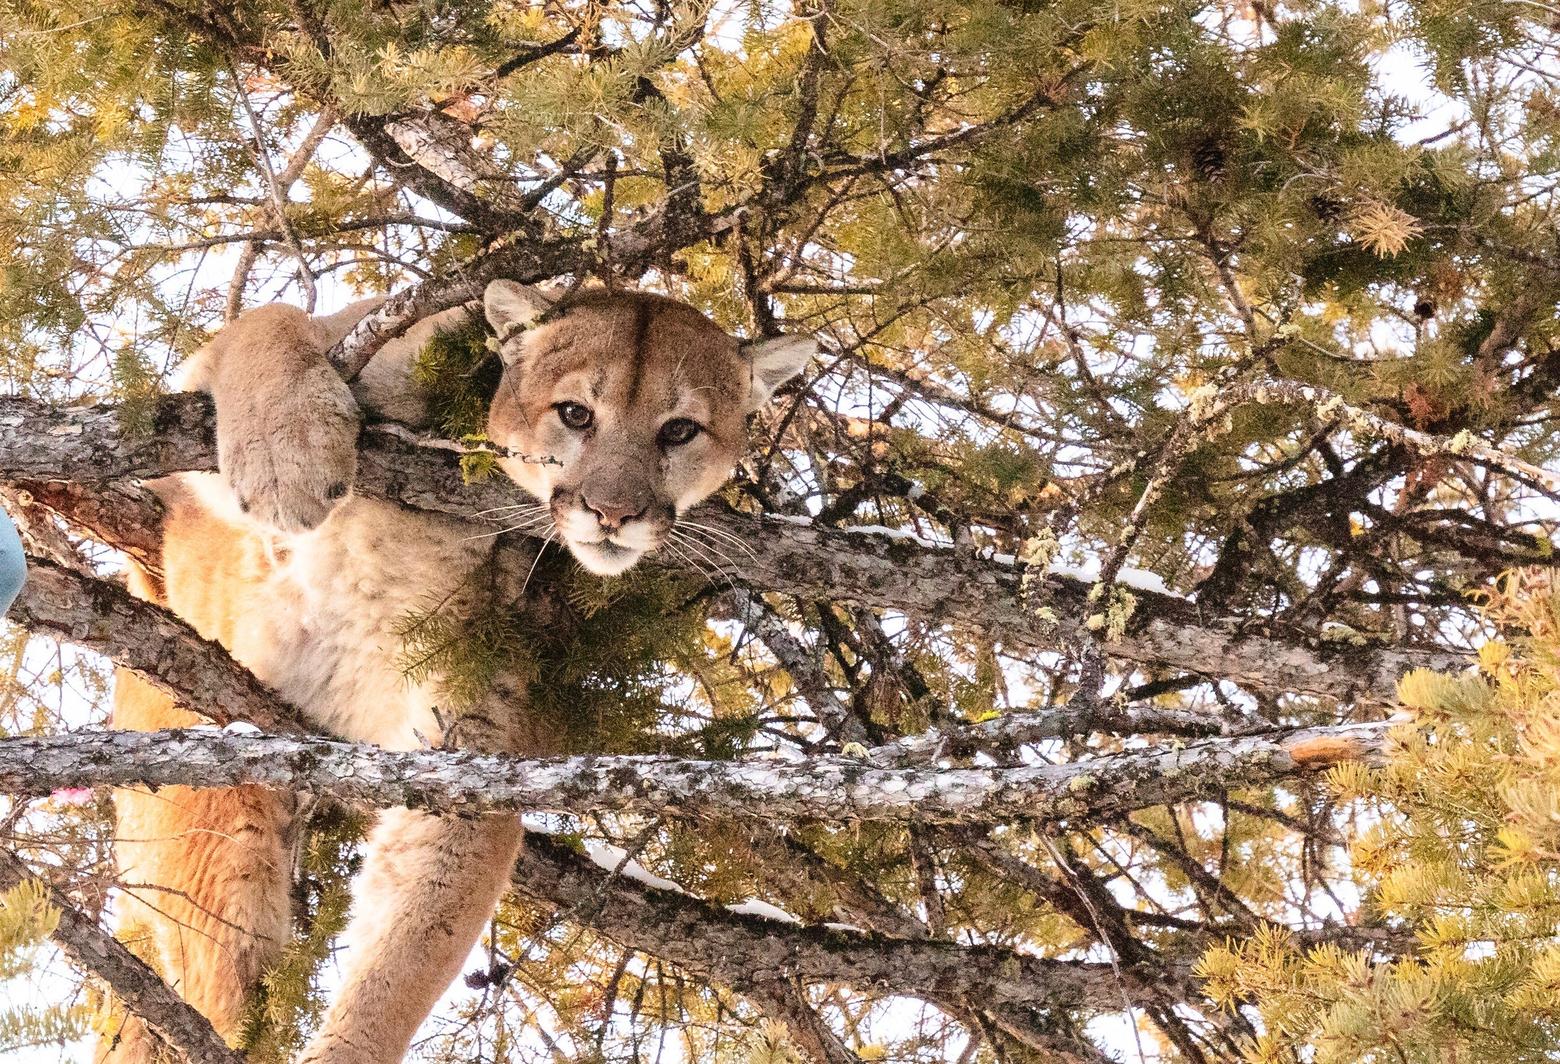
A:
(642, 314)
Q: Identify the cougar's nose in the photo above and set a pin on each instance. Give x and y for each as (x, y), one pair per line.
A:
(612, 512)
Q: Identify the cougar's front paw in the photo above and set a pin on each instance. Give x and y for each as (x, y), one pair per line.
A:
(289, 455)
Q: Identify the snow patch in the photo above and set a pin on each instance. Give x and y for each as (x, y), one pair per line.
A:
(1137, 579)
(762, 909)
(612, 858)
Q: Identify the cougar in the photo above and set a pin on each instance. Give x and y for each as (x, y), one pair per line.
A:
(616, 413)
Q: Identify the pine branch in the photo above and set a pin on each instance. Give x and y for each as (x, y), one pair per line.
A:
(827, 789)
(1329, 405)
(423, 166)
(88, 444)
(69, 603)
(1043, 98)
(143, 992)
(201, 677)
(741, 951)
(839, 722)
(441, 145)
(523, 259)
(1002, 737)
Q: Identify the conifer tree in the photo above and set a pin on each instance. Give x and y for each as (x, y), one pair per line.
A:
(1189, 377)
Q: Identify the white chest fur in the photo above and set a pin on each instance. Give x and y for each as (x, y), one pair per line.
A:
(320, 623)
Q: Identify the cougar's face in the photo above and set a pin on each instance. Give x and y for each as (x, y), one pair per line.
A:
(629, 409)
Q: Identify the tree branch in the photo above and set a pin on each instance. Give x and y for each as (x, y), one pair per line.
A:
(196, 673)
(868, 566)
(738, 950)
(143, 992)
(523, 259)
(832, 789)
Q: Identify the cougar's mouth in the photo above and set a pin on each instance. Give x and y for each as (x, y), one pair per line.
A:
(604, 557)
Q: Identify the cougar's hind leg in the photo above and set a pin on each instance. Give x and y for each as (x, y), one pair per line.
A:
(205, 879)
(429, 886)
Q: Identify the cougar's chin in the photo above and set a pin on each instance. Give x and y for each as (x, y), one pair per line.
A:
(603, 557)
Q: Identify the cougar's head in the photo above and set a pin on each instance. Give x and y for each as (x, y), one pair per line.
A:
(636, 405)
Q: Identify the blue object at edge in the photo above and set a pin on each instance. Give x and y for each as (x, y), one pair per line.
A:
(13, 564)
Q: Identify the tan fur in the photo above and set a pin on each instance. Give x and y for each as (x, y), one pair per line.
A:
(305, 583)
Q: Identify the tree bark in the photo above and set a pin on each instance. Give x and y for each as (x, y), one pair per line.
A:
(197, 673)
(100, 615)
(742, 951)
(833, 789)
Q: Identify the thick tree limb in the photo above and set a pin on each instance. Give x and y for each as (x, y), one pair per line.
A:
(837, 789)
(141, 989)
(200, 676)
(120, 513)
(870, 567)
(197, 673)
(101, 615)
(739, 951)
(1002, 737)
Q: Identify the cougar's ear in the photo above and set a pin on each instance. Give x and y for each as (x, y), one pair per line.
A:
(774, 362)
(510, 306)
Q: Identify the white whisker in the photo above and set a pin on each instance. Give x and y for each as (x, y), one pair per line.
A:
(510, 508)
(689, 560)
(708, 554)
(529, 522)
(539, 552)
(525, 523)
(714, 547)
(712, 534)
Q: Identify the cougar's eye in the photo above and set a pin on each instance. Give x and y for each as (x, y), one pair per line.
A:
(678, 431)
(575, 415)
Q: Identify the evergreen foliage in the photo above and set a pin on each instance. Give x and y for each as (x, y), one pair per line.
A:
(1046, 244)
(459, 374)
(607, 671)
(290, 1001)
(26, 919)
(1457, 849)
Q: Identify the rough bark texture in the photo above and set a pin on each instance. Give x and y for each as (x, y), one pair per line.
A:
(108, 442)
(121, 513)
(742, 951)
(1002, 737)
(837, 789)
(102, 616)
(868, 567)
(140, 988)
